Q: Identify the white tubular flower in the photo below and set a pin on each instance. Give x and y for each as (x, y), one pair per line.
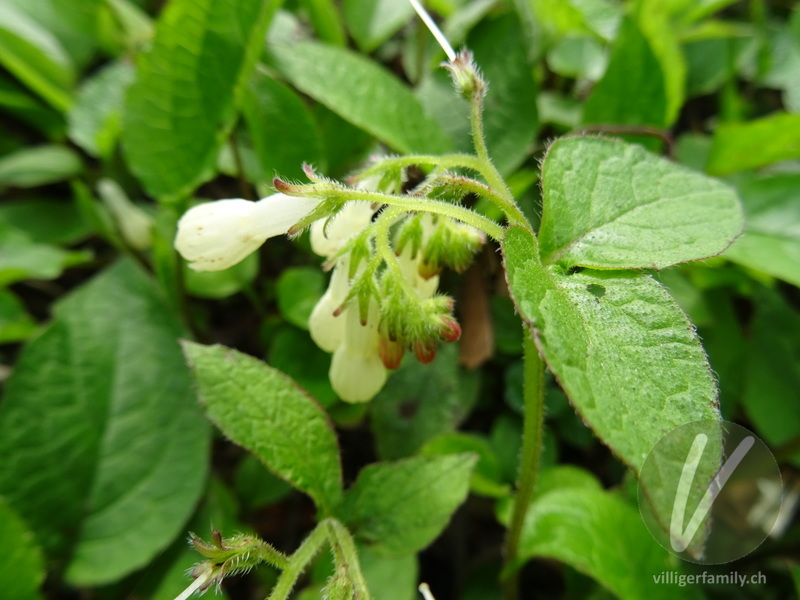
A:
(327, 330)
(353, 218)
(357, 372)
(217, 235)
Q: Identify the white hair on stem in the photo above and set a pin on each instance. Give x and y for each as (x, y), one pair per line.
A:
(437, 33)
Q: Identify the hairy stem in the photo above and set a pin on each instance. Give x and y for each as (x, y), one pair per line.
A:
(299, 561)
(533, 394)
(345, 554)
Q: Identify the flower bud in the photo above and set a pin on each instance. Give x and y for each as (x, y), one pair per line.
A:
(217, 235)
(133, 223)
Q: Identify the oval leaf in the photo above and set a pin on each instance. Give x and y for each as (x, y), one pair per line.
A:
(401, 507)
(600, 535)
(22, 567)
(263, 410)
(181, 107)
(100, 409)
(611, 205)
(362, 93)
(624, 352)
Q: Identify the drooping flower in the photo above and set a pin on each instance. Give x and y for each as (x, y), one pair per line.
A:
(357, 372)
(217, 235)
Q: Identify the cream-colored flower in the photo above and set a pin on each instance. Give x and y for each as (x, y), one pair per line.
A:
(217, 235)
(357, 372)
(327, 330)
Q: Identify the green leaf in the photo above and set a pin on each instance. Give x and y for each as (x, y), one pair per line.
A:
(39, 165)
(74, 24)
(662, 35)
(23, 105)
(389, 577)
(264, 411)
(611, 205)
(31, 53)
(771, 240)
(298, 290)
(600, 535)
(282, 128)
(95, 119)
(221, 284)
(371, 23)
(619, 346)
(120, 459)
(633, 90)
(486, 478)
(510, 114)
(401, 507)
(15, 322)
(21, 259)
(44, 220)
(363, 93)
(772, 370)
(293, 352)
(182, 105)
(741, 146)
(22, 567)
(420, 402)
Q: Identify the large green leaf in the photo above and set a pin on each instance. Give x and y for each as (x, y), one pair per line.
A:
(662, 35)
(263, 410)
(22, 567)
(182, 105)
(771, 241)
(363, 93)
(623, 351)
(282, 128)
(104, 448)
(600, 535)
(633, 90)
(772, 373)
(35, 56)
(740, 146)
(610, 205)
(399, 508)
(95, 119)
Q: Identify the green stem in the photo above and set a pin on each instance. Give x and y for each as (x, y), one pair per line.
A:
(488, 170)
(345, 554)
(533, 394)
(298, 562)
(412, 204)
(511, 210)
(447, 161)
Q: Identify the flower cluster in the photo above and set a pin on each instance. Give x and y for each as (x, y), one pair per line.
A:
(382, 298)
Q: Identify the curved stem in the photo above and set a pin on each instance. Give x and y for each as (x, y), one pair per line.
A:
(533, 419)
(410, 203)
(298, 562)
(488, 170)
(345, 554)
(511, 210)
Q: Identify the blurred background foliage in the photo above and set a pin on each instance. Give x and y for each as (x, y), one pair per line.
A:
(117, 115)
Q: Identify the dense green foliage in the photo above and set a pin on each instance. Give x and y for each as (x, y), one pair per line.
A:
(682, 127)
